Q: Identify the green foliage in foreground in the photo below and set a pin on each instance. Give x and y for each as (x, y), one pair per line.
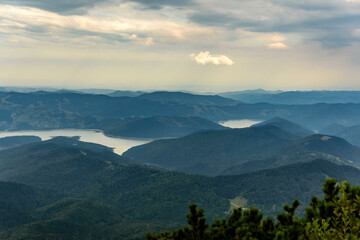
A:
(337, 216)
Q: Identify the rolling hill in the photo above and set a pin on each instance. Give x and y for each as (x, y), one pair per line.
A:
(332, 129)
(84, 170)
(15, 141)
(188, 98)
(103, 196)
(211, 152)
(238, 151)
(269, 189)
(286, 126)
(295, 97)
(351, 134)
(157, 127)
(72, 110)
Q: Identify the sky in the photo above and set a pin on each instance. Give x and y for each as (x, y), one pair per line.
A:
(196, 45)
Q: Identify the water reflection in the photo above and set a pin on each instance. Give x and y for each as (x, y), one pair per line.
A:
(243, 123)
(119, 145)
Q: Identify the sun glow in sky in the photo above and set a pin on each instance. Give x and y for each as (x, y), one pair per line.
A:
(203, 45)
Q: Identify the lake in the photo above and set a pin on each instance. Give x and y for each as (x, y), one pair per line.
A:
(242, 123)
(119, 145)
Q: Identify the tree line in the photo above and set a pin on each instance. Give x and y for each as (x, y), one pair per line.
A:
(336, 216)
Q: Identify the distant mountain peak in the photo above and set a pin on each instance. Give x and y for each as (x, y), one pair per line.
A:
(286, 126)
(189, 98)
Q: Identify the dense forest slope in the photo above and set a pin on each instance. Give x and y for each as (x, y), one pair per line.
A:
(73, 110)
(157, 126)
(211, 152)
(285, 125)
(236, 151)
(102, 195)
(351, 134)
(15, 141)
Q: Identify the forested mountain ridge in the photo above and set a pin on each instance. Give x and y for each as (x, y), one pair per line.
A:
(72, 110)
(188, 98)
(295, 97)
(211, 152)
(351, 133)
(85, 190)
(287, 126)
(335, 216)
(15, 141)
(237, 151)
(94, 184)
(157, 126)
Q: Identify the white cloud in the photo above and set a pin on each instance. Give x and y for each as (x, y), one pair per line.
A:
(140, 30)
(353, 1)
(278, 45)
(206, 58)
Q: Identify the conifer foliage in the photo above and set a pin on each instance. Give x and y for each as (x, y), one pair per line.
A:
(336, 216)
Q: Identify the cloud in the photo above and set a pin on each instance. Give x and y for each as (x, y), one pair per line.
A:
(63, 6)
(206, 58)
(158, 4)
(311, 20)
(319, 21)
(278, 45)
(81, 6)
(50, 26)
(311, 5)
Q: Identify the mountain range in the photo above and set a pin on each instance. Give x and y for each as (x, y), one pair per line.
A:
(273, 143)
(67, 189)
(294, 97)
(157, 126)
(351, 133)
(64, 188)
(20, 111)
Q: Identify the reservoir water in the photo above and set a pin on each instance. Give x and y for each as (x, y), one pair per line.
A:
(119, 145)
(243, 123)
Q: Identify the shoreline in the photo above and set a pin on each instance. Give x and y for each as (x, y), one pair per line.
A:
(83, 129)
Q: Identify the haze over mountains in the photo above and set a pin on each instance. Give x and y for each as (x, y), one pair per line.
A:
(237, 151)
(294, 97)
(63, 187)
(73, 110)
(248, 96)
(157, 126)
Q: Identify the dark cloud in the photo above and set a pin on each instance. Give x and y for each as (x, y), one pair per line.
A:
(58, 6)
(213, 19)
(332, 27)
(158, 4)
(80, 6)
(331, 31)
(223, 20)
(337, 39)
(309, 5)
(335, 23)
